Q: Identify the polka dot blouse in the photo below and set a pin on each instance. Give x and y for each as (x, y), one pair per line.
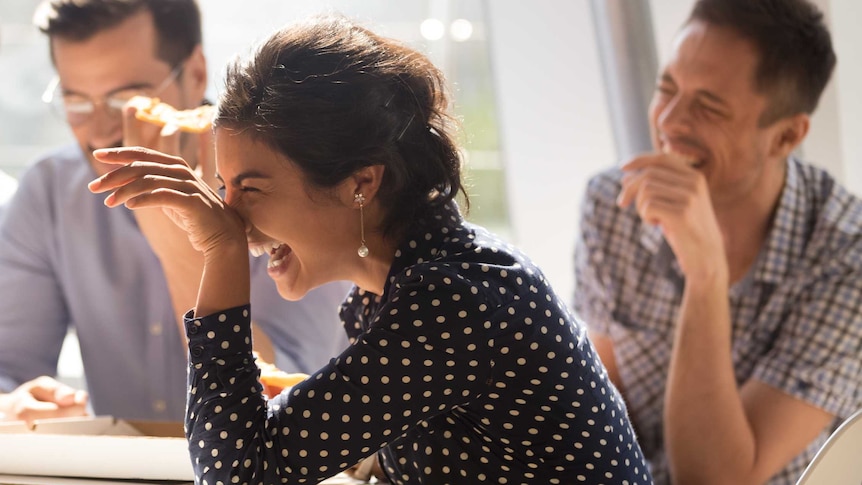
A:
(468, 369)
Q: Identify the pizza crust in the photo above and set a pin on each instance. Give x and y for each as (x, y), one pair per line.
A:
(153, 110)
(275, 380)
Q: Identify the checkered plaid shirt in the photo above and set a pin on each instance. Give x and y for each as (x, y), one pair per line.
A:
(797, 314)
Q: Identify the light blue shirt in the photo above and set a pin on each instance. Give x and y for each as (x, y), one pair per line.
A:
(66, 261)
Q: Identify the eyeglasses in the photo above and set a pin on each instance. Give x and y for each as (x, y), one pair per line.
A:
(79, 108)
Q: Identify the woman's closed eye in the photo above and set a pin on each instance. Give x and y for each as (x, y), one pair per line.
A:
(222, 189)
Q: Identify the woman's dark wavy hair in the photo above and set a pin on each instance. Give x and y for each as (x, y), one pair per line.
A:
(334, 97)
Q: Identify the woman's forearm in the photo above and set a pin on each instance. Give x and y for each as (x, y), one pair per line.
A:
(225, 282)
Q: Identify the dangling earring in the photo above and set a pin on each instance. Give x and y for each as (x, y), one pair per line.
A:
(360, 199)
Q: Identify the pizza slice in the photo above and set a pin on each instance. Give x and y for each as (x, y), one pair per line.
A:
(275, 380)
(153, 110)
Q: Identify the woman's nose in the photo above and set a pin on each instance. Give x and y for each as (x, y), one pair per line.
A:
(233, 202)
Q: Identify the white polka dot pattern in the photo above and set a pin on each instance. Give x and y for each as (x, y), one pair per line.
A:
(468, 369)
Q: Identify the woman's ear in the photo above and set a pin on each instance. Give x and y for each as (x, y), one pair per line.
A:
(790, 133)
(365, 181)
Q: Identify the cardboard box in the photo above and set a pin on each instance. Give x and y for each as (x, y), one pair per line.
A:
(101, 447)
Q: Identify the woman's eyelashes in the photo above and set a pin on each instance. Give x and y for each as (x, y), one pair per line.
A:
(222, 190)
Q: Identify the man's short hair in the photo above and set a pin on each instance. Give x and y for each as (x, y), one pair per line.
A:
(795, 47)
(177, 22)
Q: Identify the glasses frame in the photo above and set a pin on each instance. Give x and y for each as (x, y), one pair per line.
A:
(49, 96)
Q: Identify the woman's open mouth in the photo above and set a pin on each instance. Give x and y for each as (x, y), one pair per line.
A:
(277, 253)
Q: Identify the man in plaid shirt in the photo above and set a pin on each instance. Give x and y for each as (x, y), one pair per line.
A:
(722, 278)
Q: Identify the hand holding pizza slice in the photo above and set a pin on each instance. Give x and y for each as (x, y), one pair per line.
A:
(153, 110)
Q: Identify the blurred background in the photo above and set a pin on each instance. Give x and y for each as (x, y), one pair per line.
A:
(549, 92)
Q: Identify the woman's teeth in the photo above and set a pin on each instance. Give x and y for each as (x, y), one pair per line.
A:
(258, 251)
(277, 255)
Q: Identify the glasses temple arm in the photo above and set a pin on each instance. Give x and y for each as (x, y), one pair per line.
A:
(48, 94)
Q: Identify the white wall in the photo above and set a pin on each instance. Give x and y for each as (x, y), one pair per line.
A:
(846, 18)
(667, 18)
(554, 125)
(823, 144)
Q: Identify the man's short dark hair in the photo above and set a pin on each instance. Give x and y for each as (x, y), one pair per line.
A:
(177, 22)
(795, 47)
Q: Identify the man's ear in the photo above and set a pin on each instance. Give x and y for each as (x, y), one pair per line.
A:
(789, 134)
(194, 75)
(365, 181)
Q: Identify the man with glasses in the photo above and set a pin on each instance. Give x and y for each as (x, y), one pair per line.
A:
(78, 108)
(122, 279)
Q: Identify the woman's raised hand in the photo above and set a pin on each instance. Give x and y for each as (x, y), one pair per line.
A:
(148, 178)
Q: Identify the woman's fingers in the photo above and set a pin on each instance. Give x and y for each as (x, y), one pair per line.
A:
(147, 184)
(126, 155)
(152, 179)
(136, 170)
(168, 198)
(132, 193)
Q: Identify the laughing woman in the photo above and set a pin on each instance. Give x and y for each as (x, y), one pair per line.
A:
(335, 149)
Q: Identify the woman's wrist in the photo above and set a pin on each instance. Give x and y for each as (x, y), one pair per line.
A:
(225, 282)
(228, 252)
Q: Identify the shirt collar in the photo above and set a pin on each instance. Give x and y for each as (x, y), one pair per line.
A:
(423, 242)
